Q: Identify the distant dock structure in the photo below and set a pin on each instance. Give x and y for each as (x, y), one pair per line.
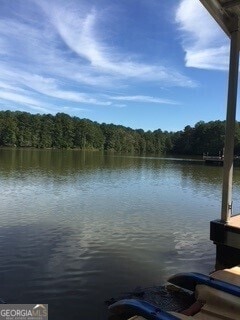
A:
(219, 160)
(214, 160)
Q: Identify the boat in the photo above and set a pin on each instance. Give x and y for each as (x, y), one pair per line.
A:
(217, 297)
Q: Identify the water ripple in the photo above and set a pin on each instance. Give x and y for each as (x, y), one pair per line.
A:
(77, 229)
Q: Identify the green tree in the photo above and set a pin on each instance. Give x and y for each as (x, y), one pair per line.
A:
(46, 135)
(24, 133)
(8, 129)
(63, 134)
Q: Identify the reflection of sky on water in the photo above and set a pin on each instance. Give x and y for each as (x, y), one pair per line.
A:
(90, 227)
(57, 264)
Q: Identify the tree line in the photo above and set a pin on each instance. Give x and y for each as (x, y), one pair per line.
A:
(22, 129)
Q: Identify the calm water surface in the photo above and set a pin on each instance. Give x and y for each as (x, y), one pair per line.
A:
(79, 228)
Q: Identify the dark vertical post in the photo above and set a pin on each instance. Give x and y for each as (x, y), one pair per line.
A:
(230, 125)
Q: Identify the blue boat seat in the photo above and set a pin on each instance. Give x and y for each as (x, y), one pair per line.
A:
(218, 293)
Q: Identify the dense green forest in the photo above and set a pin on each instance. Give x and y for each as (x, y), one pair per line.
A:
(22, 129)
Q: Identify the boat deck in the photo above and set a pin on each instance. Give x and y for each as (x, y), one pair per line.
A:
(234, 222)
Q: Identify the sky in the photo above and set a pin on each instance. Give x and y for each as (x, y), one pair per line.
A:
(145, 64)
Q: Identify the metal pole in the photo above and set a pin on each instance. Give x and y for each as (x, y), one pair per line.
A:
(230, 127)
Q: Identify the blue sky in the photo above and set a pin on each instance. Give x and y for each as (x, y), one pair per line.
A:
(140, 63)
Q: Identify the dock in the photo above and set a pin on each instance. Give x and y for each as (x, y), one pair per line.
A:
(226, 237)
(215, 160)
(219, 160)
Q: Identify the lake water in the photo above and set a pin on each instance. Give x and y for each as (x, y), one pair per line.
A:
(77, 228)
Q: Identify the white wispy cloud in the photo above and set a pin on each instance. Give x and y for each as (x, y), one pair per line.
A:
(147, 99)
(32, 57)
(81, 33)
(51, 88)
(23, 99)
(205, 44)
(54, 53)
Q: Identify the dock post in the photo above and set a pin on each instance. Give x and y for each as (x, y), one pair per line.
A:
(230, 123)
